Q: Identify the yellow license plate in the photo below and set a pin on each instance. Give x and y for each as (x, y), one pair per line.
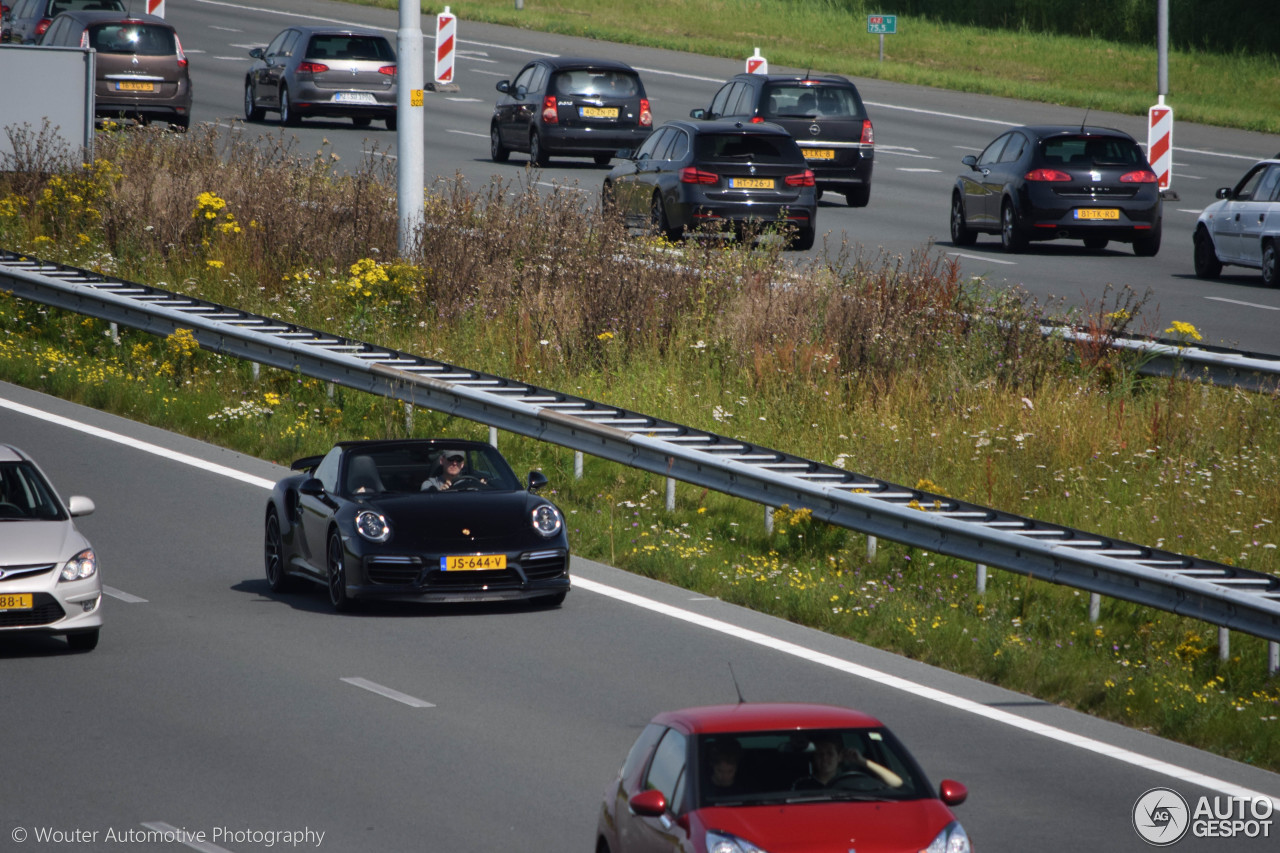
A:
(473, 563)
(18, 601)
(751, 183)
(819, 153)
(1095, 213)
(599, 112)
(127, 86)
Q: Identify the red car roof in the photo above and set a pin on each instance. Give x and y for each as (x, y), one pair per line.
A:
(764, 716)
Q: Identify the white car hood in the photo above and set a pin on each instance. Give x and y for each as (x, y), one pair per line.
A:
(26, 543)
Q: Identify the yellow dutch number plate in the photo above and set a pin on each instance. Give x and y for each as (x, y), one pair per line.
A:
(126, 86)
(599, 112)
(751, 183)
(18, 601)
(1093, 213)
(819, 153)
(473, 563)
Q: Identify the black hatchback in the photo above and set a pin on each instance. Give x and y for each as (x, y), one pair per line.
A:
(823, 112)
(1047, 183)
(570, 106)
(715, 175)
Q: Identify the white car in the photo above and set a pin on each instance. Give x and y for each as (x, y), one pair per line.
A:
(49, 581)
(1243, 226)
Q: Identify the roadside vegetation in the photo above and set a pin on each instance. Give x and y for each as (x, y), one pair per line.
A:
(889, 366)
(1094, 71)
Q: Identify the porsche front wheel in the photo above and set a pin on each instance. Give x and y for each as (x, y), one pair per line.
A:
(338, 574)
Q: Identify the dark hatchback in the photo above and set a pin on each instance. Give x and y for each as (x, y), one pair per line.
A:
(825, 115)
(572, 107)
(1049, 182)
(372, 520)
(711, 175)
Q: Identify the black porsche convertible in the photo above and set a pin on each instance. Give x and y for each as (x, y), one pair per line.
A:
(432, 520)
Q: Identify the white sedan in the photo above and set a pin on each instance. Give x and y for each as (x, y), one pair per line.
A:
(1243, 226)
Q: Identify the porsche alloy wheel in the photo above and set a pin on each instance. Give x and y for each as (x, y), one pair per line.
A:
(338, 574)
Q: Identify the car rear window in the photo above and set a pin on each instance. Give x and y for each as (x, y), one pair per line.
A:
(756, 148)
(135, 38)
(367, 48)
(86, 5)
(1091, 151)
(795, 101)
(605, 82)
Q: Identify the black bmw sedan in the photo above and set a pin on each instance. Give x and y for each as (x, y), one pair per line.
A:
(715, 175)
(415, 519)
(1047, 183)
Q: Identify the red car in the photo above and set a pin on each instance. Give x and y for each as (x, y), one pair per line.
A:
(775, 778)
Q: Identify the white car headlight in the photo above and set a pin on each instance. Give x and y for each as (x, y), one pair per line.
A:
(547, 520)
(81, 566)
(373, 526)
(722, 842)
(952, 839)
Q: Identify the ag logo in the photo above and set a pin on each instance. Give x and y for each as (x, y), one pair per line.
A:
(1161, 817)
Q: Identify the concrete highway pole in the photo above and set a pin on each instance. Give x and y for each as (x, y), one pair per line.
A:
(411, 134)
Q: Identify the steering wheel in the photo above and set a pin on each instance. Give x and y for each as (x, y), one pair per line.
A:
(8, 510)
(856, 780)
(466, 482)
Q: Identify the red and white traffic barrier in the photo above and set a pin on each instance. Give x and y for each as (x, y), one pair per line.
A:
(155, 7)
(757, 64)
(1160, 142)
(446, 32)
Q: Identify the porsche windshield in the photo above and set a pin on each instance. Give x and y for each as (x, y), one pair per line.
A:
(413, 469)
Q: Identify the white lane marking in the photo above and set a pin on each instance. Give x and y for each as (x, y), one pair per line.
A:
(233, 58)
(467, 133)
(126, 597)
(1185, 210)
(490, 73)
(948, 699)
(226, 29)
(184, 837)
(464, 100)
(983, 258)
(556, 186)
(903, 152)
(917, 169)
(155, 450)
(1245, 304)
(411, 701)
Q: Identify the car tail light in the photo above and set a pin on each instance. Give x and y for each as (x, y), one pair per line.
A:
(1047, 175)
(1142, 176)
(868, 138)
(43, 25)
(757, 120)
(312, 67)
(84, 39)
(182, 56)
(549, 113)
(804, 179)
(692, 175)
(646, 117)
(389, 70)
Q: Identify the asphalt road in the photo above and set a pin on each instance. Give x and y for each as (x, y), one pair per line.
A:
(921, 134)
(215, 706)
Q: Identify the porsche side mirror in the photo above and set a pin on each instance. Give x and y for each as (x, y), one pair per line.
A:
(651, 803)
(311, 486)
(537, 480)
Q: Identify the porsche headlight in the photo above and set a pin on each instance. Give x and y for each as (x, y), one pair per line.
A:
(722, 842)
(547, 520)
(81, 566)
(952, 839)
(373, 526)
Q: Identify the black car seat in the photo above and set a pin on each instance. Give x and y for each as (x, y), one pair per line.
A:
(362, 476)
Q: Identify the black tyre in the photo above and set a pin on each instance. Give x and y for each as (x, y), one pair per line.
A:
(1147, 247)
(273, 554)
(392, 122)
(337, 560)
(1012, 237)
(603, 159)
(83, 641)
(1097, 244)
(1205, 256)
(961, 233)
(537, 154)
(1270, 275)
(251, 110)
(361, 121)
(803, 240)
(858, 197)
(661, 224)
(498, 152)
(287, 115)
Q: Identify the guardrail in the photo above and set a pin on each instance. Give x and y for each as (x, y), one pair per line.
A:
(1232, 598)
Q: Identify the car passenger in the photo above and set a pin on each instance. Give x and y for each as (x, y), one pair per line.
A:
(722, 761)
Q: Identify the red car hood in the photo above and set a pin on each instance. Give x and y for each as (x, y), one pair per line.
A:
(881, 827)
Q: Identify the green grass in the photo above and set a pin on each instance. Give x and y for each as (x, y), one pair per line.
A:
(1238, 90)
(882, 366)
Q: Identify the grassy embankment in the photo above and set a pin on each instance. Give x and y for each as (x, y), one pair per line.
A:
(1237, 90)
(872, 365)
